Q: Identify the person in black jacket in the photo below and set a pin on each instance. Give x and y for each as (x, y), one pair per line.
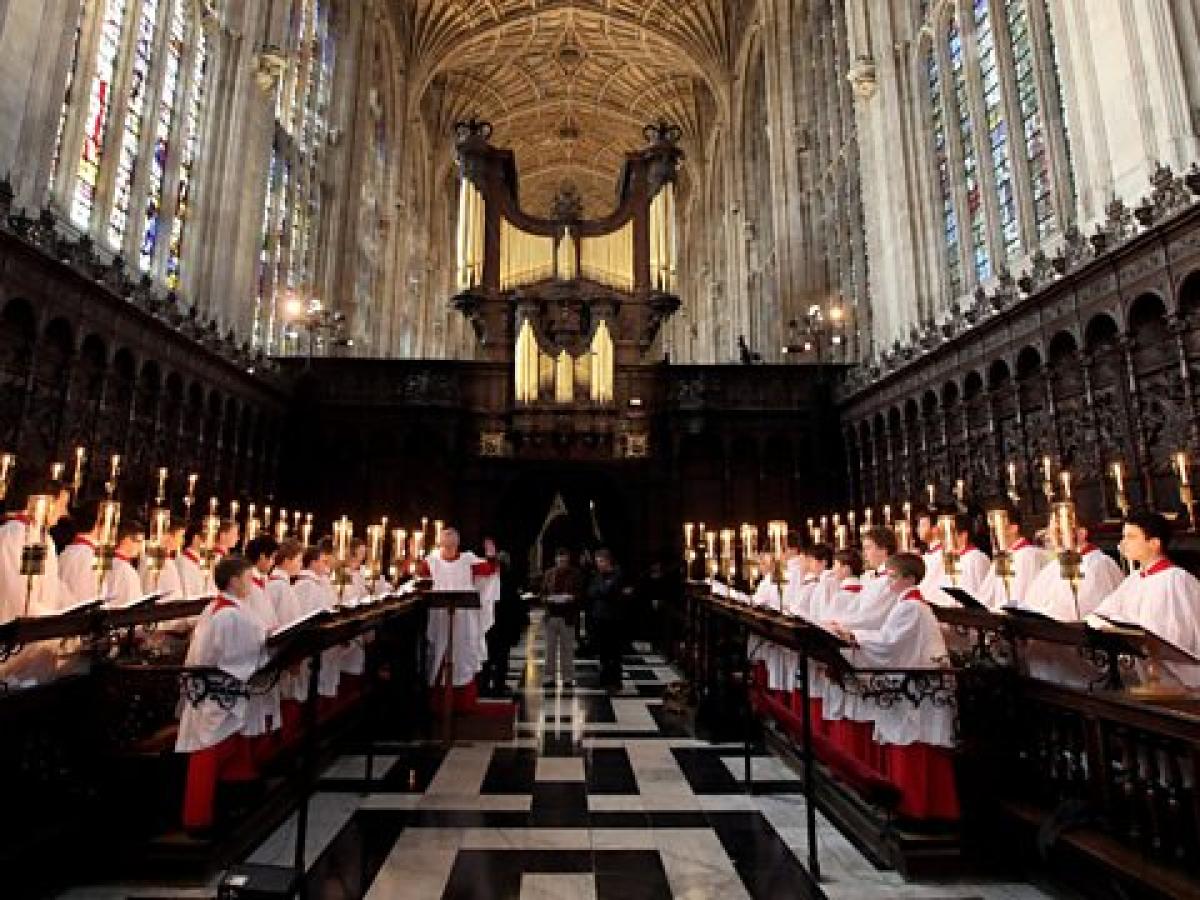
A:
(512, 615)
(608, 598)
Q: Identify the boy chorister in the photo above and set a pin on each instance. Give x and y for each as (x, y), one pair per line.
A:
(123, 585)
(230, 638)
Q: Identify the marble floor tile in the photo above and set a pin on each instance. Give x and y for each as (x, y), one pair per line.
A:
(550, 769)
(558, 886)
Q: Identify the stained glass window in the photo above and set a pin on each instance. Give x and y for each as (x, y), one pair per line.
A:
(1024, 65)
(976, 214)
(68, 90)
(941, 156)
(99, 101)
(292, 209)
(997, 127)
(140, 122)
(191, 140)
(168, 104)
(131, 137)
(997, 88)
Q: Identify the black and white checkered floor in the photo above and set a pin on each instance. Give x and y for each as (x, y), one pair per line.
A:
(599, 796)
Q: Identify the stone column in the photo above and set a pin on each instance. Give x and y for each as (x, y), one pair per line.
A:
(1127, 93)
(890, 154)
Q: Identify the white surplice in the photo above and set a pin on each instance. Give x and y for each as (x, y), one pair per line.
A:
(77, 569)
(1027, 561)
(1051, 595)
(1163, 599)
(470, 625)
(122, 585)
(910, 638)
(19, 596)
(314, 593)
(262, 710)
(230, 638)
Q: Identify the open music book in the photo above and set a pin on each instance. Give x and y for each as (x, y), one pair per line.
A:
(81, 606)
(966, 600)
(152, 597)
(297, 625)
(1154, 645)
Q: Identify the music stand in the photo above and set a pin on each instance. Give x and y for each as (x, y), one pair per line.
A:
(451, 602)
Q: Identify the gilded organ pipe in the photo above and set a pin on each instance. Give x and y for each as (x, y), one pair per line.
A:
(524, 257)
(608, 259)
(602, 365)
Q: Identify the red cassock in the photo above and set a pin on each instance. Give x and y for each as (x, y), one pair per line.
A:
(227, 637)
(914, 745)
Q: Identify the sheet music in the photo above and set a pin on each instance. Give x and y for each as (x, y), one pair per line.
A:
(152, 597)
(296, 623)
(81, 605)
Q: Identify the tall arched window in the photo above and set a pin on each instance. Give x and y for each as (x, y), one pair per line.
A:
(292, 208)
(1001, 168)
(941, 158)
(130, 128)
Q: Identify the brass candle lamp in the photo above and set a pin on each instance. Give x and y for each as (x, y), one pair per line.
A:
(1118, 472)
(998, 522)
(37, 536)
(1064, 525)
(1186, 496)
(949, 550)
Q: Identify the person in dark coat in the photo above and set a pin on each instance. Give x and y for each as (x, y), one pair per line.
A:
(608, 600)
(512, 615)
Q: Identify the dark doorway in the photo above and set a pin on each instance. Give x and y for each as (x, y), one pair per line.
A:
(572, 505)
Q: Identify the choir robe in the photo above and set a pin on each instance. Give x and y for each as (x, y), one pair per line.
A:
(1027, 562)
(314, 593)
(465, 572)
(37, 662)
(1163, 599)
(230, 638)
(797, 601)
(122, 585)
(973, 575)
(77, 569)
(915, 742)
(834, 608)
(767, 595)
(354, 654)
(1051, 595)
(262, 710)
(849, 719)
(293, 684)
(194, 579)
(935, 574)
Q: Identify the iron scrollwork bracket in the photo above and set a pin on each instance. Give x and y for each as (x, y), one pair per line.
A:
(198, 685)
(888, 688)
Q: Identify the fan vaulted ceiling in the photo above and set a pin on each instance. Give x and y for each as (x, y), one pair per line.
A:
(570, 85)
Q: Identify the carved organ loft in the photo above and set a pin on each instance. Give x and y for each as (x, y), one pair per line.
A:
(571, 305)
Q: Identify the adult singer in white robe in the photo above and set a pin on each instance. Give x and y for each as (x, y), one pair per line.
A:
(1160, 597)
(453, 570)
(1052, 595)
(915, 742)
(230, 638)
(40, 596)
